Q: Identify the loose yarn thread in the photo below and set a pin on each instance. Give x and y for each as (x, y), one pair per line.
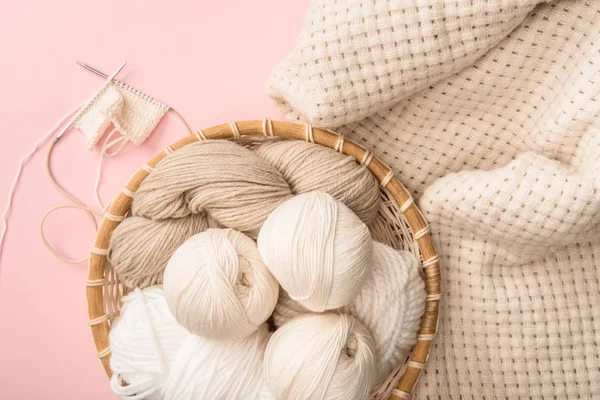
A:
(24, 160)
(78, 204)
(320, 356)
(217, 286)
(92, 117)
(318, 249)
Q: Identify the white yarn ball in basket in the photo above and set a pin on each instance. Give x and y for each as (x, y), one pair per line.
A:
(144, 342)
(218, 287)
(208, 370)
(318, 249)
(320, 356)
(390, 305)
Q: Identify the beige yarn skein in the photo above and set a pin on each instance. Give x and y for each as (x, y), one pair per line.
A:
(217, 286)
(226, 180)
(320, 356)
(390, 305)
(318, 249)
(308, 167)
(140, 248)
(233, 187)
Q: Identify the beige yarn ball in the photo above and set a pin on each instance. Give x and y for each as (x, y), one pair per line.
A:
(318, 249)
(320, 356)
(217, 286)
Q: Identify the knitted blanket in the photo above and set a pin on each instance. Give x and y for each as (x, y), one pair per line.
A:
(489, 112)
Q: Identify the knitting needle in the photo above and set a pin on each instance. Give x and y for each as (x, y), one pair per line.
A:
(94, 70)
(85, 106)
(102, 74)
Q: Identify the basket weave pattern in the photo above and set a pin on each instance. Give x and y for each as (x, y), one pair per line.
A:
(399, 224)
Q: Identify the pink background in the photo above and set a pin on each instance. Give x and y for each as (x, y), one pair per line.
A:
(208, 59)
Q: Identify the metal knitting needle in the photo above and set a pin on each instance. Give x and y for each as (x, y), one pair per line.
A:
(94, 70)
(102, 74)
(86, 105)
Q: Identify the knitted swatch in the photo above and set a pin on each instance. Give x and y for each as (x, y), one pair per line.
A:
(133, 113)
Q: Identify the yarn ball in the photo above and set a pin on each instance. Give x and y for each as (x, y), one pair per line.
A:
(390, 305)
(144, 342)
(320, 356)
(208, 370)
(218, 287)
(140, 248)
(309, 167)
(153, 357)
(318, 249)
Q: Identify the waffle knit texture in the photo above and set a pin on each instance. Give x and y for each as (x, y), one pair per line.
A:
(488, 111)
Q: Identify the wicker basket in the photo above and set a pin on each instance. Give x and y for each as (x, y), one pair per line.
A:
(399, 224)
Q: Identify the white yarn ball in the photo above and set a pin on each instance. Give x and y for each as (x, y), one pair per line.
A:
(318, 249)
(153, 357)
(320, 356)
(209, 370)
(218, 287)
(144, 341)
(390, 305)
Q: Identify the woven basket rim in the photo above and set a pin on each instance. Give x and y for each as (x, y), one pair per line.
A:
(413, 366)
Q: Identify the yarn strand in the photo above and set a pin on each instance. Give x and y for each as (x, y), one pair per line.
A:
(24, 161)
(104, 152)
(78, 204)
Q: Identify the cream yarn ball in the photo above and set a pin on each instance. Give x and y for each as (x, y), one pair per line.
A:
(144, 342)
(218, 287)
(390, 305)
(318, 249)
(209, 370)
(320, 356)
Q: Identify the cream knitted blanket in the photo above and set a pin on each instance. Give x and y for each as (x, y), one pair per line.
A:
(489, 112)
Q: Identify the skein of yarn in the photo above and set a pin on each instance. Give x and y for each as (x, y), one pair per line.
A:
(219, 177)
(144, 342)
(308, 167)
(233, 187)
(320, 356)
(390, 305)
(318, 249)
(140, 248)
(218, 287)
(209, 370)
